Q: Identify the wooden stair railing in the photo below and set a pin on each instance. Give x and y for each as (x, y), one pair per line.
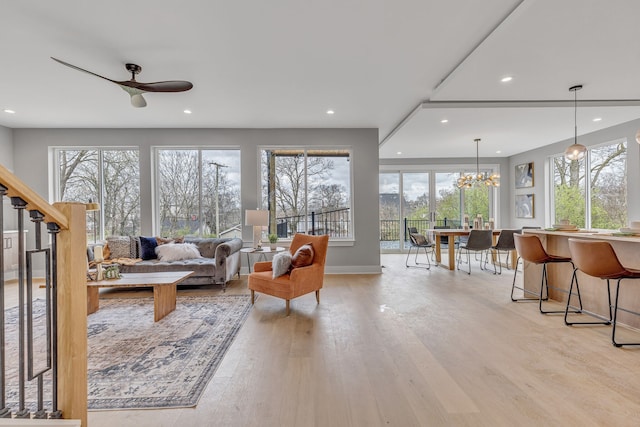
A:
(66, 296)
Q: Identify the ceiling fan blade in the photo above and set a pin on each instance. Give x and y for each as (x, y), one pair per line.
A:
(138, 101)
(166, 86)
(82, 69)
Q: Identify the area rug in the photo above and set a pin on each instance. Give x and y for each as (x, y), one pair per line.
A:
(136, 363)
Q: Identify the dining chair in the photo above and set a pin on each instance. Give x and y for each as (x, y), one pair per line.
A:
(417, 242)
(506, 244)
(479, 241)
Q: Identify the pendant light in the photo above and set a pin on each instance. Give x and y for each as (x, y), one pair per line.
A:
(575, 151)
(468, 181)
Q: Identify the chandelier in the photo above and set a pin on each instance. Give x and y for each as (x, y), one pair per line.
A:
(468, 181)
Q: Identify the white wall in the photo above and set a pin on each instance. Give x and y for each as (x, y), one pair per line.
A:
(541, 175)
(6, 159)
(31, 161)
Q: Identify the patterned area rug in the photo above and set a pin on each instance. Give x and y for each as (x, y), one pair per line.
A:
(135, 362)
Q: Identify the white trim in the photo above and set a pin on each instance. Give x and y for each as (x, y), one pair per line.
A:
(353, 269)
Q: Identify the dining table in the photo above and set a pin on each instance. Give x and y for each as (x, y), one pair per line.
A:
(451, 234)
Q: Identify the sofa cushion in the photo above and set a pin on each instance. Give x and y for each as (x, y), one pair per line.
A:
(177, 252)
(202, 267)
(119, 247)
(148, 248)
(206, 246)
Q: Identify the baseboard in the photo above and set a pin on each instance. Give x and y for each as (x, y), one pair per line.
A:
(37, 422)
(352, 269)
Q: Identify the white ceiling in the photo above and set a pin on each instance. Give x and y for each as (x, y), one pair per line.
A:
(400, 66)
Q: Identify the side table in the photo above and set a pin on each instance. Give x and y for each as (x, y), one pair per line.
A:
(263, 252)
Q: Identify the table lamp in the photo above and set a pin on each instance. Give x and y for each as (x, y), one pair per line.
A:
(258, 219)
(93, 207)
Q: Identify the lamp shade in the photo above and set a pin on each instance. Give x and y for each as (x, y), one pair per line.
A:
(91, 206)
(575, 152)
(257, 218)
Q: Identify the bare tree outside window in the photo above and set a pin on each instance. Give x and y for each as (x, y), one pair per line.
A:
(110, 177)
(198, 192)
(307, 191)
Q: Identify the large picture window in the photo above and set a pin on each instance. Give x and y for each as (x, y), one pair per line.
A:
(597, 199)
(108, 176)
(307, 191)
(198, 192)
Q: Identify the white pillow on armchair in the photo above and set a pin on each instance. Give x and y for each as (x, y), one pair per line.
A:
(281, 264)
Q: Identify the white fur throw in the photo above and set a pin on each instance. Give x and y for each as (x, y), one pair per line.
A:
(281, 263)
(177, 251)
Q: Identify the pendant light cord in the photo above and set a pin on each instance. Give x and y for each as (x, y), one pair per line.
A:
(575, 115)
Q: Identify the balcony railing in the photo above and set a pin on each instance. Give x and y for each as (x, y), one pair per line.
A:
(59, 352)
(335, 223)
(390, 228)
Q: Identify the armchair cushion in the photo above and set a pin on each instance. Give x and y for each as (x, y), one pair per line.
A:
(281, 264)
(303, 256)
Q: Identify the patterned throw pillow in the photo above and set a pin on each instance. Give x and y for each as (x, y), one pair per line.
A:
(281, 263)
(119, 247)
(303, 256)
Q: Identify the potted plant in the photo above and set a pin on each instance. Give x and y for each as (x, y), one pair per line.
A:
(273, 239)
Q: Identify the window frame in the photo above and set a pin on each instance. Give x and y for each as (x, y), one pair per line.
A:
(155, 179)
(551, 211)
(54, 188)
(334, 240)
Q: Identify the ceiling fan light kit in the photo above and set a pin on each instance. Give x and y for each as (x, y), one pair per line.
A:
(468, 181)
(134, 88)
(575, 151)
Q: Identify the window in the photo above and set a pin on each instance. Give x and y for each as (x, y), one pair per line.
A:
(198, 192)
(307, 191)
(110, 177)
(604, 205)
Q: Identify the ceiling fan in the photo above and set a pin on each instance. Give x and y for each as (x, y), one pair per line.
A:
(136, 89)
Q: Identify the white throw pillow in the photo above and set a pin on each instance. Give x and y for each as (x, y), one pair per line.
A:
(177, 252)
(281, 263)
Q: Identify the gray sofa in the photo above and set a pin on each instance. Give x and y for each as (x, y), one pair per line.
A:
(219, 263)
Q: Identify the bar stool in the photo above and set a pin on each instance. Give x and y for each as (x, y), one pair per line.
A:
(598, 259)
(530, 249)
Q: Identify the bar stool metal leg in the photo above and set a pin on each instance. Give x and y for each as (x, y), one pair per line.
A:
(580, 309)
(615, 317)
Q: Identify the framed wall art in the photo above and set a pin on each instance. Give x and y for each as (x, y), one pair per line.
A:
(524, 175)
(524, 206)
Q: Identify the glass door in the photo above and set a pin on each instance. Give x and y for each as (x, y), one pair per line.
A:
(447, 199)
(389, 193)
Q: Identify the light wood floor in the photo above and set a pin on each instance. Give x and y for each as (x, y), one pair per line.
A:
(410, 347)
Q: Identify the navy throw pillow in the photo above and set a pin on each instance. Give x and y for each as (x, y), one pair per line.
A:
(148, 248)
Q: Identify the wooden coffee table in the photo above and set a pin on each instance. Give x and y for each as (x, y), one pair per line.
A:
(163, 283)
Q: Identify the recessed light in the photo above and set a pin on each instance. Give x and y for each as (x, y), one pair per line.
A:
(330, 112)
(8, 111)
(499, 151)
(399, 152)
(187, 111)
(506, 79)
(597, 119)
(444, 121)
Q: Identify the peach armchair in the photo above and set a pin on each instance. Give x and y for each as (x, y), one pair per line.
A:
(299, 281)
